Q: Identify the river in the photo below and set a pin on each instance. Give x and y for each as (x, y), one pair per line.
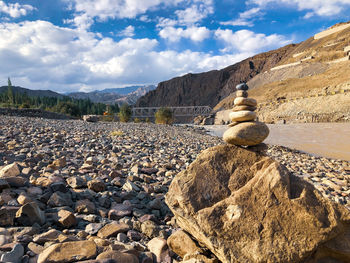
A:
(330, 140)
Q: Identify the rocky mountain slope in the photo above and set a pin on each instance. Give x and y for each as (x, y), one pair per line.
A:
(311, 85)
(211, 87)
(120, 96)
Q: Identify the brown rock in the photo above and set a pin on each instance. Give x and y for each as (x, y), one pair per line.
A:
(7, 215)
(66, 218)
(10, 170)
(243, 107)
(30, 214)
(182, 244)
(23, 199)
(244, 115)
(120, 257)
(59, 163)
(96, 185)
(112, 229)
(245, 101)
(242, 93)
(254, 210)
(158, 246)
(35, 248)
(68, 252)
(48, 236)
(85, 206)
(246, 133)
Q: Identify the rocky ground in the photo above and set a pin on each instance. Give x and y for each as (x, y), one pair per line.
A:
(74, 191)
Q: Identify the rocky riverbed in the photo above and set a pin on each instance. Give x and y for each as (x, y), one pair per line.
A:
(68, 185)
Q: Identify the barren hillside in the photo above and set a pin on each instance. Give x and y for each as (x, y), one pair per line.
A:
(311, 85)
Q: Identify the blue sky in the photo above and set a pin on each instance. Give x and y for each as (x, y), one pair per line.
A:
(71, 45)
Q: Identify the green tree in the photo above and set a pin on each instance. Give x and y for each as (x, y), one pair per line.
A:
(10, 97)
(124, 113)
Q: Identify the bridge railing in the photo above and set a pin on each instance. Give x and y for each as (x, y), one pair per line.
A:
(144, 112)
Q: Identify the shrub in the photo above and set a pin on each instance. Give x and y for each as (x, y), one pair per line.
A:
(108, 118)
(148, 120)
(116, 133)
(137, 120)
(125, 113)
(164, 116)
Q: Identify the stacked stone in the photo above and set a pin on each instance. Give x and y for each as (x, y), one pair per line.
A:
(244, 130)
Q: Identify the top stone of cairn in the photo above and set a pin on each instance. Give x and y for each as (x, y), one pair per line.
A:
(242, 86)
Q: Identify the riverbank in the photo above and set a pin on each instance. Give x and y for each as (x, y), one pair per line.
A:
(110, 179)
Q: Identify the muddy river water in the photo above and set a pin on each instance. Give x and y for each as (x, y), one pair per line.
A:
(330, 140)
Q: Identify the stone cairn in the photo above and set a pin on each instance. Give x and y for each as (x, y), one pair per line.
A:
(243, 129)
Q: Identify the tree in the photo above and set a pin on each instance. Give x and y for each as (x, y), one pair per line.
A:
(124, 113)
(164, 116)
(9, 83)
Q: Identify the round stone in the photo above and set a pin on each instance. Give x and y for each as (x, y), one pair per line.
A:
(247, 133)
(242, 93)
(242, 86)
(243, 107)
(244, 115)
(245, 101)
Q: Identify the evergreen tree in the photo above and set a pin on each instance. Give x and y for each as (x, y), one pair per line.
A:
(9, 83)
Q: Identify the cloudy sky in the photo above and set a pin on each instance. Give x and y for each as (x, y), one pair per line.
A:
(71, 45)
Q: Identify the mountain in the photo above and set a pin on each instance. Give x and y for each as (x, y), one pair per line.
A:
(305, 82)
(122, 91)
(120, 96)
(311, 84)
(39, 93)
(210, 87)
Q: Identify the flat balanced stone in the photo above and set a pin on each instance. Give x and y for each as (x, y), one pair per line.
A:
(244, 115)
(246, 133)
(242, 93)
(245, 101)
(242, 86)
(243, 107)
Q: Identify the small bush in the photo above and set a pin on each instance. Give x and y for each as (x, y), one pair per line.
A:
(148, 120)
(125, 113)
(137, 120)
(164, 116)
(108, 118)
(116, 133)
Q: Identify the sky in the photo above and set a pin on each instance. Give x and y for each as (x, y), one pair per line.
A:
(85, 45)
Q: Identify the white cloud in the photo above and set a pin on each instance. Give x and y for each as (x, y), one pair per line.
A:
(129, 31)
(195, 13)
(87, 10)
(41, 55)
(318, 7)
(15, 10)
(196, 34)
(245, 19)
(248, 41)
(190, 16)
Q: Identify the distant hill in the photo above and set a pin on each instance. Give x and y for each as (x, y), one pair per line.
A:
(120, 96)
(34, 93)
(121, 91)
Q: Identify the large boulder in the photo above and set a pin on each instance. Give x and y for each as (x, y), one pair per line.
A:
(246, 207)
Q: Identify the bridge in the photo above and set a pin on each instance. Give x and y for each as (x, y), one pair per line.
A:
(147, 112)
